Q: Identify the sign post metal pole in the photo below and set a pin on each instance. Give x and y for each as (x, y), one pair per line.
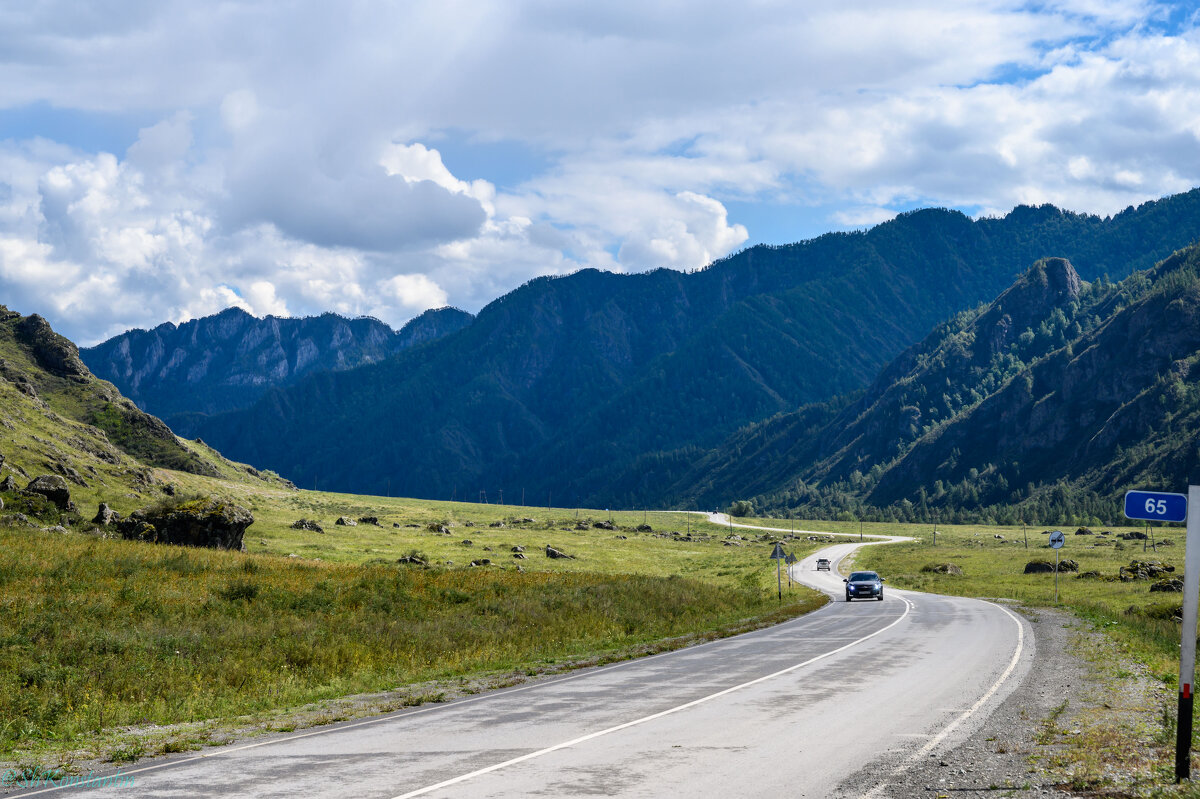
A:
(1057, 539)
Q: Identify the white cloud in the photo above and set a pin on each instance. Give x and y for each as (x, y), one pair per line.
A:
(287, 157)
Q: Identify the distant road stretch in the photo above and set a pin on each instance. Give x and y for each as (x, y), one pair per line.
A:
(841, 697)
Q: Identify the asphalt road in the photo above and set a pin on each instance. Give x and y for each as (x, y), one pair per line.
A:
(827, 705)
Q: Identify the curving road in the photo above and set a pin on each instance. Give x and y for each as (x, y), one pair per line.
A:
(827, 705)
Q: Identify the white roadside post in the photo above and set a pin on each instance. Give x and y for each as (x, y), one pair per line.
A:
(1187, 651)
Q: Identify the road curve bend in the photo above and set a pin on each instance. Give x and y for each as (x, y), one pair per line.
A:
(830, 704)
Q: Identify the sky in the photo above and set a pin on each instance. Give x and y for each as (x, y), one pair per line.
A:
(161, 161)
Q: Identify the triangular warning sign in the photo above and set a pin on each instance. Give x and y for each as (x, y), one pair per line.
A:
(778, 553)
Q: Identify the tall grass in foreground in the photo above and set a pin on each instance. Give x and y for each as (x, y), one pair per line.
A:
(98, 633)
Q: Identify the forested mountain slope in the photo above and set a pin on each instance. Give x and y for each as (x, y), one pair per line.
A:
(597, 388)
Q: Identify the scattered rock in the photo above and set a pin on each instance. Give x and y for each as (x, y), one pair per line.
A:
(604, 526)
(622, 537)
(645, 528)
(1166, 542)
(8, 484)
(517, 548)
(1039, 567)
(496, 524)
(414, 559)
(468, 524)
(1089, 575)
(998, 537)
(466, 542)
(104, 515)
(551, 552)
(346, 522)
(1083, 531)
(527, 520)
(369, 520)
(480, 562)
(519, 555)
(206, 522)
(396, 525)
(440, 529)
(1068, 565)
(943, 568)
(1144, 570)
(1172, 586)
(1134, 536)
(307, 524)
(53, 488)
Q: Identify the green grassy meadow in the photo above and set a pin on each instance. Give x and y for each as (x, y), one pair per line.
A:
(102, 638)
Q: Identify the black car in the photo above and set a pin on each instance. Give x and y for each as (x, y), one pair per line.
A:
(864, 585)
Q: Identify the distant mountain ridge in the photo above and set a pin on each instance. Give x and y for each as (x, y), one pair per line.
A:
(226, 361)
(597, 388)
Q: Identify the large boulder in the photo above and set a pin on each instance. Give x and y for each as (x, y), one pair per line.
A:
(53, 488)
(207, 522)
(1039, 567)
(105, 515)
(8, 484)
(1144, 570)
(943, 568)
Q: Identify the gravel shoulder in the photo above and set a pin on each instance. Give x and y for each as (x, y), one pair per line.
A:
(1082, 722)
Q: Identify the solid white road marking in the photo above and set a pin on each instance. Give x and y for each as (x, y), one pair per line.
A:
(652, 717)
(952, 726)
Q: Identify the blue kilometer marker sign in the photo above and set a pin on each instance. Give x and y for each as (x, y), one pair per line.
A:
(1155, 506)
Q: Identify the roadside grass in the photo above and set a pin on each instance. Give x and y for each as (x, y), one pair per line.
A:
(103, 642)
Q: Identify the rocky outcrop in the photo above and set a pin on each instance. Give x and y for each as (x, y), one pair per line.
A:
(54, 353)
(211, 523)
(53, 488)
(105, 515)
(1144, 570)
(943, 568)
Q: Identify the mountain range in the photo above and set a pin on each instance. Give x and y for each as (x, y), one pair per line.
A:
(603, 389)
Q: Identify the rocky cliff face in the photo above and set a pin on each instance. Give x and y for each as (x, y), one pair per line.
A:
(228, 360)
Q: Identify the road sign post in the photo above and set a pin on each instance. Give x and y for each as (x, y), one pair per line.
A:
(1156, 506)
(1057, 539)
(778, 556)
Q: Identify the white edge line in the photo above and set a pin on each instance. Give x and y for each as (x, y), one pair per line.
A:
(952, 726)
(652, 717)
(404, 713)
